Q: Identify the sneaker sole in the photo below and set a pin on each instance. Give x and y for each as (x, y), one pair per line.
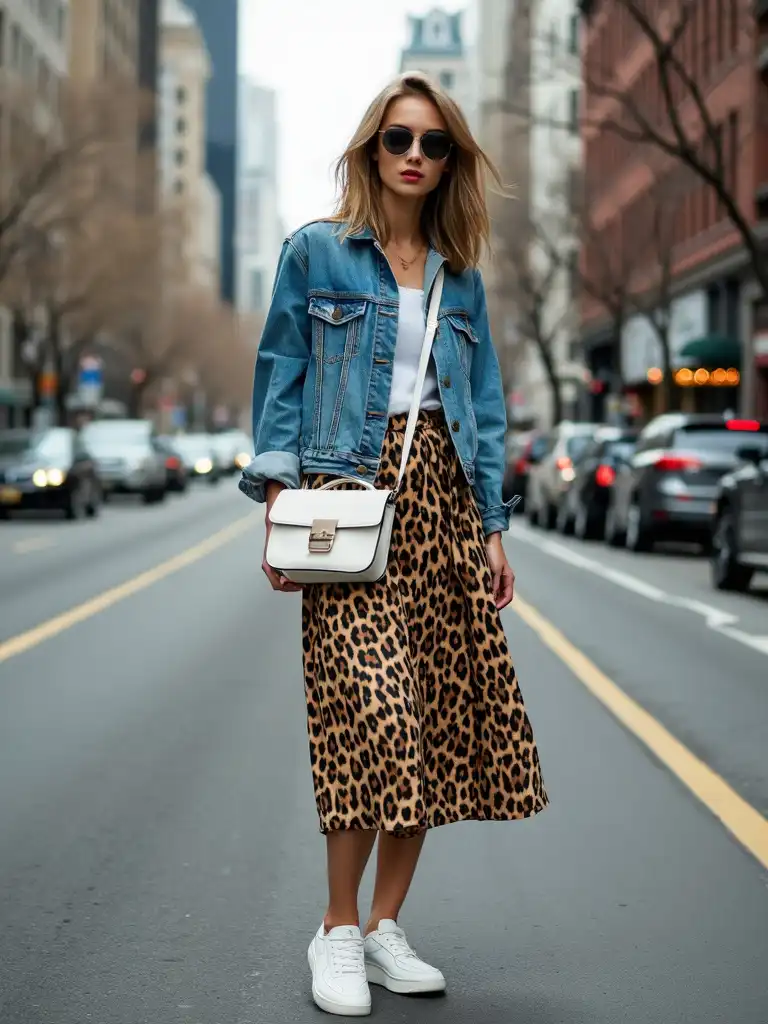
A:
(330, 1005)
(377, 976)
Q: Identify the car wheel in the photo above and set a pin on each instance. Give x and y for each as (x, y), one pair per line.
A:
(532, 515)
(581, 524)
(564, 519)
(727, 571)
(549, 518)
(93, 507)
(153, 495)
(76, 507)
(613, 536)
(639, 538)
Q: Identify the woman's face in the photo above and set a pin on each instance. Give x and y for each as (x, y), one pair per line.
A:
(412, 173)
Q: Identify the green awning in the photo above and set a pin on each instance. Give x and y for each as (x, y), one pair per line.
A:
(711, 352)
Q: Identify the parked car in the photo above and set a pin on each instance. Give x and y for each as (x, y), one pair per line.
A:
(176, 476)
(234, 449)
(668, 489)
(584, 505)
(48, 469)
(550, 476)
(199, 455)
(128, 457)
(523, 450)
(740, 532)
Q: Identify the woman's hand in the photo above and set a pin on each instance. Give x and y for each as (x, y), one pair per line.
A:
(503, 577)
(278, 582)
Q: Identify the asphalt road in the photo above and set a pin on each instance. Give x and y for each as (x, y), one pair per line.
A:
(159, 854)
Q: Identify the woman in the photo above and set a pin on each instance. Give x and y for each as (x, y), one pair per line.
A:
(414, 714)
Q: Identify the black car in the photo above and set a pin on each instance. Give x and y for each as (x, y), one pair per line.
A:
(585, 505)
(48, 470)
(176, 474)
(740, 533)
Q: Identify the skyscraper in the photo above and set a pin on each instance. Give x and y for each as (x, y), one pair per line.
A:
(218, 20)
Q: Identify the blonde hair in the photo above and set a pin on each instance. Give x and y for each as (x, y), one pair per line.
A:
(455, 216)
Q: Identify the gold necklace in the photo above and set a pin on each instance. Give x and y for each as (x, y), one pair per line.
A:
(406, 264)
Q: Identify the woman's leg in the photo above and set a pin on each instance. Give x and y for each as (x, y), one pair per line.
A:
(348, 853)
(395, 868)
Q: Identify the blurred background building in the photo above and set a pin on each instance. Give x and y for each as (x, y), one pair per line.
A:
(260, 230)
(219, 20)
(185, 70)
(436, 46)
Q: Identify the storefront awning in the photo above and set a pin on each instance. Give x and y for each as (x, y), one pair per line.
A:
(711, 352)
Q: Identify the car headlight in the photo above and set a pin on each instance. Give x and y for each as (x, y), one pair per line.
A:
(242, 459)
(203, 466)
(48, 477)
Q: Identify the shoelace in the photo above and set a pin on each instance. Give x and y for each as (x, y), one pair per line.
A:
(347, 956)
(397, 945)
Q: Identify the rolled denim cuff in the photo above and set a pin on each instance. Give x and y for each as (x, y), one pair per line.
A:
(281, 466)
(496, 518)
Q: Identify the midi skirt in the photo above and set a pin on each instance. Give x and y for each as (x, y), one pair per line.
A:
(414, 712)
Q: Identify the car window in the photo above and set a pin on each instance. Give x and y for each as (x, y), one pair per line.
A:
(620, 449)
(715, 439)
(539, 447)
(576, 445)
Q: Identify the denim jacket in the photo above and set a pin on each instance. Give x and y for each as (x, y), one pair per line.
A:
(324, 368)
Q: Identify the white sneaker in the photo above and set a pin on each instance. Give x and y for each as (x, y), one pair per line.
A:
(337, 961)
(390, 961)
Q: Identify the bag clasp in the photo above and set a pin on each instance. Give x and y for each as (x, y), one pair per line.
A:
(322, 535)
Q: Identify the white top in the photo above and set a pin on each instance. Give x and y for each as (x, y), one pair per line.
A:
(410, 338)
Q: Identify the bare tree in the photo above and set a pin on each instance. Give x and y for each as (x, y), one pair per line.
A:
(673, 114)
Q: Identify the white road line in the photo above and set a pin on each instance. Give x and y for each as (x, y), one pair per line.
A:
(716, 619)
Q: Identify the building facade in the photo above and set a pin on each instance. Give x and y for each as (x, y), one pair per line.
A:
(260, 231)
(436, 46)
(712, 296)
(103, 39)
(34, 43)
(185, 68)
(218, 20)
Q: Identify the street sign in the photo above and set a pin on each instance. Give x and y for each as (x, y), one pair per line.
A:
(179, 417)
(91, 380)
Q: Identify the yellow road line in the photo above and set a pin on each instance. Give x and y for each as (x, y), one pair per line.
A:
(742, 820)
(24, 547)
(26, 641)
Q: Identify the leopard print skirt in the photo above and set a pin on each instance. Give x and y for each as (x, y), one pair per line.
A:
(415, 716)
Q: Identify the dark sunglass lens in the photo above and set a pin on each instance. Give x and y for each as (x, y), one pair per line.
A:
(397, 140)
(435, 145)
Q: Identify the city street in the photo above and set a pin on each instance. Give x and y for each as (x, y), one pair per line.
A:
(159, 855)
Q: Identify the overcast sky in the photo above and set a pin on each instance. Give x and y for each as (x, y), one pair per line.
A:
(326, 59)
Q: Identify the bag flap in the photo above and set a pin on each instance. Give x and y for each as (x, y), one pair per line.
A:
(351, 508)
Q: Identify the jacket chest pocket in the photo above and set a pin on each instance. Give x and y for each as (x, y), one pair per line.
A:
(464, 339)
(336, 327)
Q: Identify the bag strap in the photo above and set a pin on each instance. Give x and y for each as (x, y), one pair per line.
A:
(426, 348)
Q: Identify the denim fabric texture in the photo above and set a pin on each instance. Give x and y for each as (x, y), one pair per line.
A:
(324, 368)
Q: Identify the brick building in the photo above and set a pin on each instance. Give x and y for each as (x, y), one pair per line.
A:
(714, 321)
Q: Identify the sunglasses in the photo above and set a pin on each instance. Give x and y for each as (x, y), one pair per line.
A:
(435, 144)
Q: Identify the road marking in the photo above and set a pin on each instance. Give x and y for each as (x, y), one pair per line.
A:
(716, 619)
(742, 820)
(46, 630)
(24, 547)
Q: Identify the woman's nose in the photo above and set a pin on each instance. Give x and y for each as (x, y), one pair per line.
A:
(414, 153)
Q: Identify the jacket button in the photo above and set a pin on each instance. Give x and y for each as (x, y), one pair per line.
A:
(455, 426)
(362, 470)
(446, 382)
(337, 314)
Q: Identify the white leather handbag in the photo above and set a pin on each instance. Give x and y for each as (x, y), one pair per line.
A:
(326, 535)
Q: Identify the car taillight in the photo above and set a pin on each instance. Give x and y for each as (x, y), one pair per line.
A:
(676, 463)
(604, 476)
(742, 424)
(521, 466)
(564, 462)
(172, 462)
